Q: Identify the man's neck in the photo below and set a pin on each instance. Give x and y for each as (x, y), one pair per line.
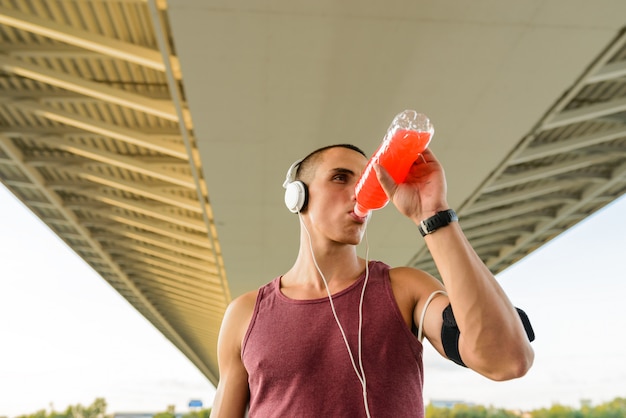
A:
(339, 265)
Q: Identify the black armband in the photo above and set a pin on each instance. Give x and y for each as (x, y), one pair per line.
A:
(450, 336)
(450, 333)
(527, 327)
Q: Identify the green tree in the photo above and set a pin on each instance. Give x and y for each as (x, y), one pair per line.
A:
(38, 414)
(170, 412)
(202, 413)
(557, 411)
(96, 410)
(613, 409)
(468, 411)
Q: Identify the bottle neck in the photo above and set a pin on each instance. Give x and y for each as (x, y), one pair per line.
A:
(360, 210)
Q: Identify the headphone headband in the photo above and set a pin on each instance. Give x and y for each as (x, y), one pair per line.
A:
(291, 173)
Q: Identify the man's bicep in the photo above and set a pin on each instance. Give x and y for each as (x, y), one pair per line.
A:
(232, 395)
(433, 322)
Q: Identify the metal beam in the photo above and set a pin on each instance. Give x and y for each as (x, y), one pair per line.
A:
(88, 40)
(583, 114)
(610, 71)
(116, 160)
(525, 195)
(105, 129)
(147, 210)
(547, 172)
(160, 108)
(618, 176)
(568, 145)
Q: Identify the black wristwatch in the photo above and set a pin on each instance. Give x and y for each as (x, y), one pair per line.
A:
(438, 220)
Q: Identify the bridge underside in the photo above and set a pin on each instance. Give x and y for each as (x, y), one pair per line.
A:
(152, 137)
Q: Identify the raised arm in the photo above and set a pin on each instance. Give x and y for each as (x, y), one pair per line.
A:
(232, 396)
(492, 339)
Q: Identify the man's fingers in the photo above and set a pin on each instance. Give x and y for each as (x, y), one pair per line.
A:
(386, 181)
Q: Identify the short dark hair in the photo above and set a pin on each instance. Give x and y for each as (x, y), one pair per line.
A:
(309, 161)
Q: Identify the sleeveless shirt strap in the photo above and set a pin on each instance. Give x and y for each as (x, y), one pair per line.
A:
(420, 329)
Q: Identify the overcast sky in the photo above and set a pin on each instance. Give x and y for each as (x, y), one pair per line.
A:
(67, 337)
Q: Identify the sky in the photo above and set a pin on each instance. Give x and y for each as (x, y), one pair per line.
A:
(66, 337)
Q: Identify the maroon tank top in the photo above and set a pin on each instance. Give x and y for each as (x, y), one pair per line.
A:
(298, 364)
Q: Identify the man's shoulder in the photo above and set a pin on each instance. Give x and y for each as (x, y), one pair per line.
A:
(408, 272)
(247, 300)
(411, 279)
(243, 303)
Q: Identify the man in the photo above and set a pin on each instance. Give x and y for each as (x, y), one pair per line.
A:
(333, 335)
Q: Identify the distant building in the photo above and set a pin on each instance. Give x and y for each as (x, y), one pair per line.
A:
(444, 403)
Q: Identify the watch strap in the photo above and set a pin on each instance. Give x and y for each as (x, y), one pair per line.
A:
(438, 220)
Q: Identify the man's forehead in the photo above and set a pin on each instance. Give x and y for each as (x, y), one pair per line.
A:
(331, 159)
(352, 167)
(340, 154)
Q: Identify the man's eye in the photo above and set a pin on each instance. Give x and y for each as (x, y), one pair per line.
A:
(340, 177)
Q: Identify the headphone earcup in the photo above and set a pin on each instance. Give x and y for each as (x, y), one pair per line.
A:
(296, 196)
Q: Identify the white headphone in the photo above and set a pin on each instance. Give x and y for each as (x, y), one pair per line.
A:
(296, 192)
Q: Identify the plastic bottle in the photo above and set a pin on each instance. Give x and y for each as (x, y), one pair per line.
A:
(407, 137)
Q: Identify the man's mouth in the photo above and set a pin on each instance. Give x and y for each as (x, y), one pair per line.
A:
(360, 219)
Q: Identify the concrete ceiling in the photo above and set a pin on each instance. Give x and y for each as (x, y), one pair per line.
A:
(153, 136)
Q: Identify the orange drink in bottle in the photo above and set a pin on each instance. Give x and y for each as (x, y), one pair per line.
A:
(407, 137)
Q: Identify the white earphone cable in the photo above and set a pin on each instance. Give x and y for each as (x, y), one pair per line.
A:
(367, 275)
(359, 373)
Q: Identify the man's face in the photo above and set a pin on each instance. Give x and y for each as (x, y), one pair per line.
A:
(331, 196)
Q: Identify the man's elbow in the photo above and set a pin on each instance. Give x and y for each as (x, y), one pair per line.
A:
(514, 367)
